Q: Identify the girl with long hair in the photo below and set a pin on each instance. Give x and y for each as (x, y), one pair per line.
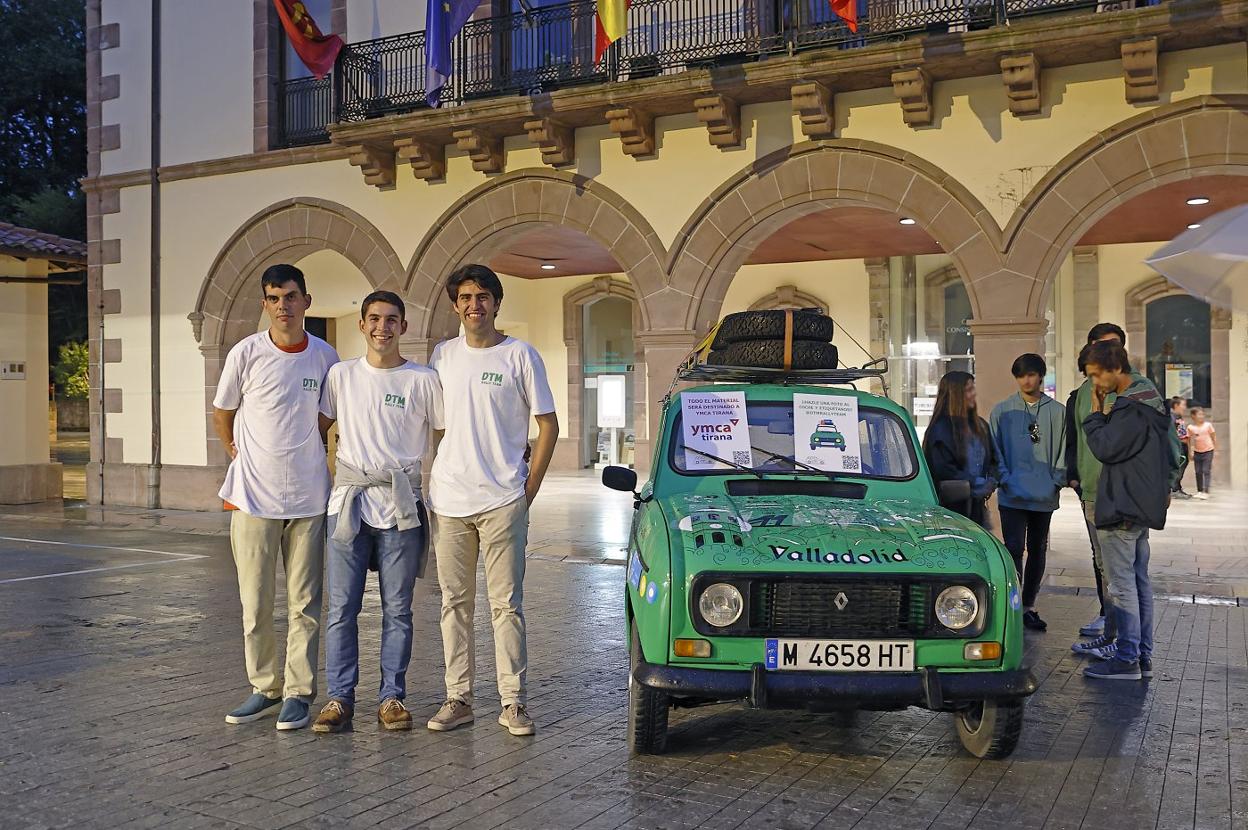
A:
(957, 443)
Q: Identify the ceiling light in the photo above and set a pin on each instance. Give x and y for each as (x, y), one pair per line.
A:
(1198, 200)
(546, 266)
(1193, 226)
(906, 221)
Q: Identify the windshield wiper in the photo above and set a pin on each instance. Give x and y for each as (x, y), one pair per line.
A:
(714, 457)
(828, 474)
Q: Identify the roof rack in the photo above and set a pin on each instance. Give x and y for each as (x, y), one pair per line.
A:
(753, 374)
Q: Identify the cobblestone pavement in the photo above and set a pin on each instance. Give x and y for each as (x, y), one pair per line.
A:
(114, 680)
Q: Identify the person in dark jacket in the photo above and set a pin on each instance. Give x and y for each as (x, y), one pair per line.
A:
(958, 444)
(1131, 439)
(1029, 439)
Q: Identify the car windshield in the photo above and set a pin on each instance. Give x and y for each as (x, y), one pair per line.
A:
(776, 439)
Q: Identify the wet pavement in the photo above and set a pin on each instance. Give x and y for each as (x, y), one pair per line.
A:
(120, 653)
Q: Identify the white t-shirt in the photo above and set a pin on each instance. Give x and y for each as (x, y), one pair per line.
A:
(384, 417)
(280, 470)
(490, 395)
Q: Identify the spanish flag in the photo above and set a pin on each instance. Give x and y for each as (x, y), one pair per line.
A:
(612, 23)
(846, 10)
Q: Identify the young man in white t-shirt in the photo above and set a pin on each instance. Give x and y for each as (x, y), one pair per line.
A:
(385, 406)
(265, 414)
(481, 489)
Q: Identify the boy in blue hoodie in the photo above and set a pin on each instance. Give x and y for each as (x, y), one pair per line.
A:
(1029, 434)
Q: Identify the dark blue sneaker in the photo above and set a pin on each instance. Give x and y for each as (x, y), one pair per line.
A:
(1114, 669)
(294, 714)
(254, 708)
(1146, 667)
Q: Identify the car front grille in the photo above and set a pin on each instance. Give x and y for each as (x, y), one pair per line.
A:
(839, 608)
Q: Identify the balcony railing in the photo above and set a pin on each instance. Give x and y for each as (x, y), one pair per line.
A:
(552, 47)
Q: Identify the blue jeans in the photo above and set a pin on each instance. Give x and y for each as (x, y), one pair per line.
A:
(1124, 551)
(397, 557)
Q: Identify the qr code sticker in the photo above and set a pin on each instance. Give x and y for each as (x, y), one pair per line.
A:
(850, 462)
(743, 457)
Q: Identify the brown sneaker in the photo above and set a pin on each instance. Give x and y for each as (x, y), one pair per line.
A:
(333, 717)
(517, 720)
(453, 713)
(394, 715)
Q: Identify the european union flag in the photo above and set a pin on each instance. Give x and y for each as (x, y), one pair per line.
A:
(443, 20)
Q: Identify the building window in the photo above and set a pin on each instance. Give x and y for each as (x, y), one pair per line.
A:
(1178, 347)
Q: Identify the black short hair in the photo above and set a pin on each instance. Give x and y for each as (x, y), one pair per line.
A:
(479, 274)
(276, 276)
(1177, 401)
(1025, 364)
(1101, 329)
(1109, 355)
(383, 297)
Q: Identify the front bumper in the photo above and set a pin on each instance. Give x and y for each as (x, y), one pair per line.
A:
(929, 688)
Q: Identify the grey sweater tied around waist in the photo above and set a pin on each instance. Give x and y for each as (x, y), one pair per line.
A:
(398, 480)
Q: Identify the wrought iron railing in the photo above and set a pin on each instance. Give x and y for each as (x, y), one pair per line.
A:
(307, 106)
(552, 47)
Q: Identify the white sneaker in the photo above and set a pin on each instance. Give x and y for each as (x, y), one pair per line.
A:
(1095, 628)
(1201, 496)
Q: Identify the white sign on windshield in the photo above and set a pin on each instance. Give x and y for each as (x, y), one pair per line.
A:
(825, 432)
(715, 423)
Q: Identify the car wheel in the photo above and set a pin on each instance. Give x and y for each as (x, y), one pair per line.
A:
(769, 325)
(990, 729)
(647, 711)
(769, 354)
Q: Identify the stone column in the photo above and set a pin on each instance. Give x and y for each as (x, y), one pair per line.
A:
(1087, 293)
(662, 352)
(998, 341)
(877, 288)
(1220, 391)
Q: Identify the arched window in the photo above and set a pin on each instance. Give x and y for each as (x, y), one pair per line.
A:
(1178, 347)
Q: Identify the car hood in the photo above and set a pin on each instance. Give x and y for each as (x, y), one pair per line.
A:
(823, 535)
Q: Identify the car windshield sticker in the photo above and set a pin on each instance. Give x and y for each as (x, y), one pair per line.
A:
(825, 432)
(714, 423)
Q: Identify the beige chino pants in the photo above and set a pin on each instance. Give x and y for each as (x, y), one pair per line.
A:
(499, 536)
(257, 544)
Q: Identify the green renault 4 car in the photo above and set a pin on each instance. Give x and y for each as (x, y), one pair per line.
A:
(826, 435)
(756, 575)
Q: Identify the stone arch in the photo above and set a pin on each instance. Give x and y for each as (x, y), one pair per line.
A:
(227, 309)
(574, 305)
(788, 296)
(510, 205)
(1205, 135)
(810, 177)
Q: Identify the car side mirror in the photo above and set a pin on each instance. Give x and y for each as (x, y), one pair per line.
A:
(620, 478)
(954, 494)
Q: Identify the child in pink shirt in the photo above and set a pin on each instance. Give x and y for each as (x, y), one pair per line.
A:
(1203, 442)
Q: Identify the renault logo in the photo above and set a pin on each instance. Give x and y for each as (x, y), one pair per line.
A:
(841, 601)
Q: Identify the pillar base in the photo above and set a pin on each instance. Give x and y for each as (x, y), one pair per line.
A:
(182, 487)
(29, 483)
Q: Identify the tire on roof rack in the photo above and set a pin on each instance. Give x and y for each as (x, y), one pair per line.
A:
(769, 354)
(769, 325)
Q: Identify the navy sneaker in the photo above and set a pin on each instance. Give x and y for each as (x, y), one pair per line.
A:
(1146, 667)
(1114, 669)
(254, 708)
(294, 714)
(1088, 646)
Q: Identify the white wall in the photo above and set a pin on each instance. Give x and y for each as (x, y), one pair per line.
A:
(132, 61)
(133, 375)
(206, 88)
(24, 338)
(368, 19)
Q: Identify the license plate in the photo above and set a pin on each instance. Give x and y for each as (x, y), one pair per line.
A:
(840, 655)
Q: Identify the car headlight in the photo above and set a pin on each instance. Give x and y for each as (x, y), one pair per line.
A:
(721, 604)
(957, 607)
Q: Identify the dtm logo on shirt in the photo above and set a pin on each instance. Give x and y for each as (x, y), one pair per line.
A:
(311, 385)
(396, 400)
(492, 378)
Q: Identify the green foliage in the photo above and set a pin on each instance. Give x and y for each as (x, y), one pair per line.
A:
(71, 370)
(43, 113)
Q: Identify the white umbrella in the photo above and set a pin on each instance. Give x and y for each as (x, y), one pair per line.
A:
(1209, 260)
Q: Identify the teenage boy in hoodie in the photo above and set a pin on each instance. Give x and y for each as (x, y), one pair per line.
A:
(1029, 434)
(1082, 471)
(1131, 439)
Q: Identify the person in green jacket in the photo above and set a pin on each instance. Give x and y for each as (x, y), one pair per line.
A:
(1082, 472)
(1029, 435)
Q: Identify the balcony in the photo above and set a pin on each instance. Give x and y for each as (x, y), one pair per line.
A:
(551, 49)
